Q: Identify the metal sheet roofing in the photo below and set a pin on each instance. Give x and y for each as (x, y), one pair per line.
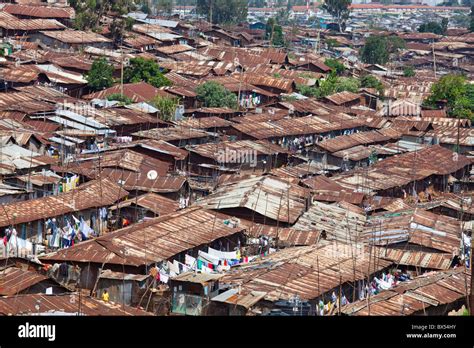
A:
(407, 298)
(76, 36)
(307, 271)
(416, 227)
(138, 92)
(94, 194)
(268, 196)
(171, 134)
(39, 11)
(157, 204)
(10, 22)
(52, 304)
(153, 240)
(14, 280)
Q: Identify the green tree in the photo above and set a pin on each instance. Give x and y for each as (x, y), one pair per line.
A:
(349, 84)
(257, 3)
(330, 43)
(223, 11)
(308, 91)
(100, 76)
(89, 12)
(141, 69)
(167, 107)
(377, 49)
(274, 33)
(164, 6)
(408, 71)
(117, 30)
(332, 84)
(214, 95)
(431, 27)
(444, 25)
(145, 7)
(471, 23)
(339, 9)
(456, 92)
(335, 65)
(85, 20)
(369, 81)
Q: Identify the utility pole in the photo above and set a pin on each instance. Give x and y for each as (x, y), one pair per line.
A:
(471, 295)
(434, 58)
(121, 70)
(210, 13)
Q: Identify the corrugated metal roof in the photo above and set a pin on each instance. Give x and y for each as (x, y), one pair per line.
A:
(157, 204)
(260, 147)
(402, 169)
(153, 240)
(306, 271)
(97, 193)
(415, 258)
(268, 196)
(14, 280)
(244, 299)
(342, 97)
(76, 36)
(39, 11)
(173, 49)
(141, 182)
(125, 159)
(416, 227)
(10, 22)
(203, 122)
(287, 237)
(407, 298)
(335, 220)
(347, 141)
(171, 134)
(199, 278)
(137, 92)
(66, 303)
(108, 274)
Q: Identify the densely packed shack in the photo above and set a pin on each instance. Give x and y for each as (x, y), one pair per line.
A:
(165, 162)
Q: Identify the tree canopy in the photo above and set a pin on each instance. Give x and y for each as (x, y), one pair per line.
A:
(223, 11)
(164, 6)
(471, 23)
(100, 76)
(274, 33)
(340, 10)
(141, 69)
(335, 65)
(118, 28)
(167, 107)
(456, 92)
(214, 95)
(332, 84)
(89, 12)
(369, 81)
(408, 71)
(377, 49)
(434, 27)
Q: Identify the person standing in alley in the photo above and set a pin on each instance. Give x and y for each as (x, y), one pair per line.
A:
(105, 296)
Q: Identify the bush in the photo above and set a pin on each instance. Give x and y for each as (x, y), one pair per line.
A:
(214, 95)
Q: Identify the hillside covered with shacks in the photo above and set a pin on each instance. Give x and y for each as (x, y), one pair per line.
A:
(160, 161)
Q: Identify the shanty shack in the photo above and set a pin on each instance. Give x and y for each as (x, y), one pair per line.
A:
(191, 292)
(128, 289)
(71, 39)
(132, 249)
